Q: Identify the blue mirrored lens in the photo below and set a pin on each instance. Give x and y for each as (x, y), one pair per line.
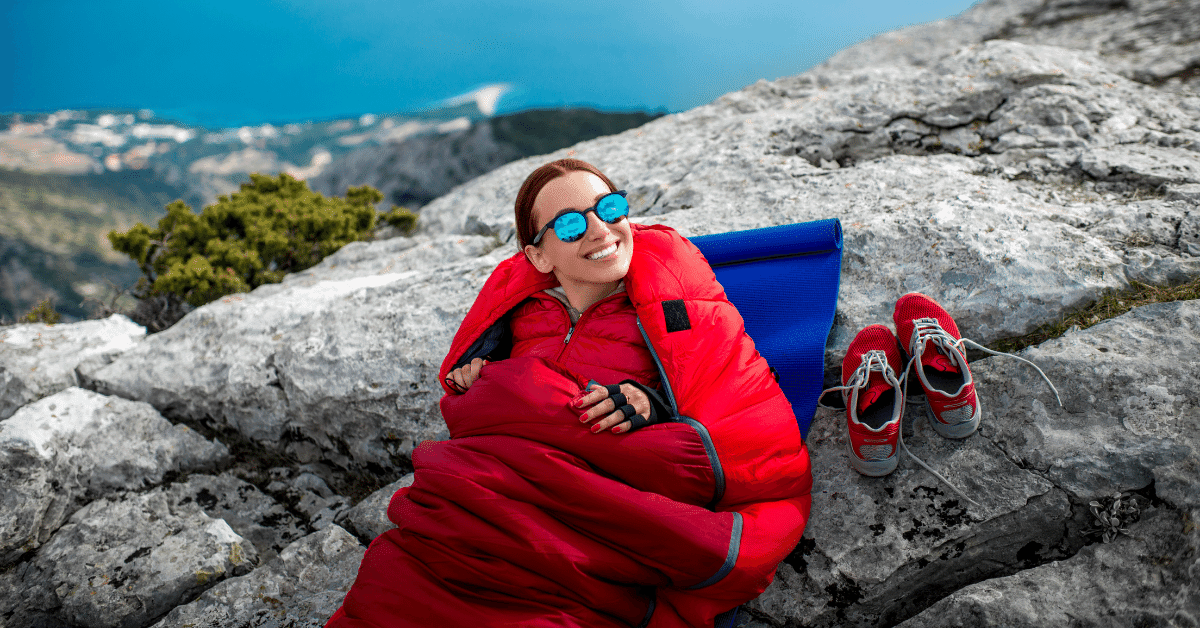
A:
(612, 207)
(570, 227)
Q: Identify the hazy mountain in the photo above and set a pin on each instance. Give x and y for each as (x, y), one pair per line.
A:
(416, 170)
(68, 178)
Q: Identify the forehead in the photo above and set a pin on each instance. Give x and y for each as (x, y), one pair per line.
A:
(577, 189)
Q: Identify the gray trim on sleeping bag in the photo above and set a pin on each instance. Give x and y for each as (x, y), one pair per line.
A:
(649, 611)
(735, 545)
(713, 460)
(705, 437)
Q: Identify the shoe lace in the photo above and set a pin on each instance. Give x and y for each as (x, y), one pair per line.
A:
(928, 468)
(928, 331)
(875, 361)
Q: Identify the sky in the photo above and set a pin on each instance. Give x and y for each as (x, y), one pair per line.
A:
(239, 62)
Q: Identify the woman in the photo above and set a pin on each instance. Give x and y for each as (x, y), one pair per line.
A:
(620, 454)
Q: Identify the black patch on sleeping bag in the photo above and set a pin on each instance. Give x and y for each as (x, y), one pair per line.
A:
(676, 316)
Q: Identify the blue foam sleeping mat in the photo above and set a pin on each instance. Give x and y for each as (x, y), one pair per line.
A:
(784, 281)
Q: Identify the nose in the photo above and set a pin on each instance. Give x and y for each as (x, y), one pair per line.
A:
(596, 228)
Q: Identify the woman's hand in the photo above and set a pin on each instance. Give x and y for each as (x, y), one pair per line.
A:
(465, 375)
(604, 407)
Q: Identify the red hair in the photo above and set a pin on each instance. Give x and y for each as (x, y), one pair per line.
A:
(526, 229)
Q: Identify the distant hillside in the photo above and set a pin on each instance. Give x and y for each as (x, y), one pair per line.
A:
(69, 177)
(53, 240)
(416, 170)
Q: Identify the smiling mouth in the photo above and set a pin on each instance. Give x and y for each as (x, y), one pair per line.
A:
(603, 253)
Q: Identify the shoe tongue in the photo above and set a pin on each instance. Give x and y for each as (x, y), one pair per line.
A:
(938, 362)
(871, 395)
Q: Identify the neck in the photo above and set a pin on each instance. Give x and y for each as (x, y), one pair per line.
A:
(584, 295)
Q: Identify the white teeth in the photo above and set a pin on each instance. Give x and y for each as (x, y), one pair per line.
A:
(603, 253)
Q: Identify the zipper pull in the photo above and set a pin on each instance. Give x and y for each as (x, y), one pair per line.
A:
(569, 332)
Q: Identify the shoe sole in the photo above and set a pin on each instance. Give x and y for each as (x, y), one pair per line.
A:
(872, 468)
(958, 430)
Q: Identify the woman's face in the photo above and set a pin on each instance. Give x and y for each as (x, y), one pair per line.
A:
(601, 257)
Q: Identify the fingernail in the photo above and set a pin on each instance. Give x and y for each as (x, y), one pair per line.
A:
(618, 430)
(595, 428)
(583, 418)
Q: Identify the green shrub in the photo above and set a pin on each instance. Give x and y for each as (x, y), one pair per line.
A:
(271, 227)
(401, 218)
(42, 313)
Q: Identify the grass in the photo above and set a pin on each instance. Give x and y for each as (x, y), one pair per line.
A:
(1111, 304)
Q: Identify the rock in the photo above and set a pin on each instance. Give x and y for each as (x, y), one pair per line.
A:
(1004, 178)
(341, 369)
(123, 562)
(75, 446)
(251, 513)
(878, 551)
(306, 493)
(1131, 407)
(302, 587)
(876, 548)
(1145, 578)
(368, 518)
(1151, 41)
(39, 360)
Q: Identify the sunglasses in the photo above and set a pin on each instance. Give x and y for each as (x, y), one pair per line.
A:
(570, 224)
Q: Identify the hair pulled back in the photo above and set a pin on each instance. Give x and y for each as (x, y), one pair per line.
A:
(526, 228)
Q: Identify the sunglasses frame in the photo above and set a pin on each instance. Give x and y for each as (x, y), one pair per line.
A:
(582, 212)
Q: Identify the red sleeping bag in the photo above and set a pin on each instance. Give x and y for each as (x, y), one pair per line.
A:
(525, 518)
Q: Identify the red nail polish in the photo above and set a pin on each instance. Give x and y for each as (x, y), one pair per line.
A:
(595, 428)
(583, 418)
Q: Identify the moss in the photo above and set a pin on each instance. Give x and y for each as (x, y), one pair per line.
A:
(43, 312)
(1111, 304)
(236, 555)
(202, 577)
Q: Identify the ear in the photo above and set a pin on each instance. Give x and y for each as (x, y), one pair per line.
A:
(539, 261)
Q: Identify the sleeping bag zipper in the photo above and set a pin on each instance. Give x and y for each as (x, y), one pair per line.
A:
(574, 324)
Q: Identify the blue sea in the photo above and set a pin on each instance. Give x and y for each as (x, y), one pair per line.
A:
(224, 63)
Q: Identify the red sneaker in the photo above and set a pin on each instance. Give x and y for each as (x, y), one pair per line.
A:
(874, 400)
(935, 346)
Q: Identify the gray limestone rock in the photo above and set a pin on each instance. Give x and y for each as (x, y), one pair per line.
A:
(879, 550)
(341, 369)
(368, 518)
(75, 446)
(123, 562)
(1144, 578)
(306, 493)
(251, 513)
(1131, 410)
(302, 587)
(1151, 41)
(1013, 181)
(39, 360)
